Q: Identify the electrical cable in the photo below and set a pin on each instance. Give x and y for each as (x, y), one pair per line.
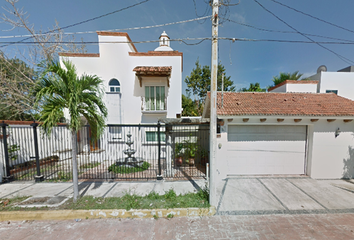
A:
(309, 15)
(280, 31)
(207, 11)
(88, 20)
(347, 60)
(113, 30)
(188, 39)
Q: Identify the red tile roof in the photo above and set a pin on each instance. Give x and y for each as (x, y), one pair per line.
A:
(79, 54)
(293, 82)
(152, 69)
(283, 104)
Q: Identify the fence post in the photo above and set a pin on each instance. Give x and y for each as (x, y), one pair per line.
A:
(159, 176)
(8, 177)
(39, 177)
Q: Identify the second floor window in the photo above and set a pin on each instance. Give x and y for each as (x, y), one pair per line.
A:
(114, 85)
(154, 98)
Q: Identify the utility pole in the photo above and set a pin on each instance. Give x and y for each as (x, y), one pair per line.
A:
(213, 99)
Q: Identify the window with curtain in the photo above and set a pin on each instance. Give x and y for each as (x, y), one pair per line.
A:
(154, 98)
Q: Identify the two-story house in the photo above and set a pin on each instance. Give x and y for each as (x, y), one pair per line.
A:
(140, 87)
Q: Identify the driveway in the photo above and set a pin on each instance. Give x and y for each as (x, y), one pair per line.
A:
(284, 195)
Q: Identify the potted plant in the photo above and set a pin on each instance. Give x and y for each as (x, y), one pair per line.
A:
(204, 156)
(178, 154)
(192, 149)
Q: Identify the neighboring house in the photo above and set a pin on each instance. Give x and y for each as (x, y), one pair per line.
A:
(284, 133)
(140, 87)
(340, 83)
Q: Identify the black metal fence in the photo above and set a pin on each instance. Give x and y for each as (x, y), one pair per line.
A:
(157, 151)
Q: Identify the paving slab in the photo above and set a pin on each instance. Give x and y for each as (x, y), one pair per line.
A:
(12, 188)
(179, 187)
(292, 197)
(38, 189)
(120, 189)
(328, 196)
(248, 195)
(342, 184)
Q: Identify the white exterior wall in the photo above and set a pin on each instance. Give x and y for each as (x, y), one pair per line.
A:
(115, 62)
(341, 81)
(280, 89)
(332, 157)
(326, 156)
(301, 88)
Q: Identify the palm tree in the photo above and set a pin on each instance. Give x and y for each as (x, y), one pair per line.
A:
(286, 76)
(61, 88)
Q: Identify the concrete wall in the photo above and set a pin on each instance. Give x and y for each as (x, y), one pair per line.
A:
(327, 157)
(302, 88)
(341, 81)
(280, 89)
(115, 62)
(332, 157)
(291, 87)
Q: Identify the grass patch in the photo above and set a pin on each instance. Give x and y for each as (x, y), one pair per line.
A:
(129, 201)
(124, 170)
(150, 201)
(90, 165)
(8, 204)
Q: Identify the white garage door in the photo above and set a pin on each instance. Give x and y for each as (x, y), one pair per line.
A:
(266, 149)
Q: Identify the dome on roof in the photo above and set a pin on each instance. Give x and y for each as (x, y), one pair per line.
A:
(164, 43)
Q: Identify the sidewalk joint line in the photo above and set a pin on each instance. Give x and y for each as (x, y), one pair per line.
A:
(18, 190)
(104, 195)
(273, 195)
(222, 195)
(308, 195)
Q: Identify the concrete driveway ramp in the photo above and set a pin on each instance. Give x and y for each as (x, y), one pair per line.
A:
(276, 195)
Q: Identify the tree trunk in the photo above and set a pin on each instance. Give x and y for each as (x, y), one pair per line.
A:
(74, 161)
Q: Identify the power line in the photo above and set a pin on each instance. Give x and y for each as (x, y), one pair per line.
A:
(337, 54)
(280, 31)
(283, 41)
(309, 15)
(88, 20)
(207, 11)
(183, 40)
(112, 30)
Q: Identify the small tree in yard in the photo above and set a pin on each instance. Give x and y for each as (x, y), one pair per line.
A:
(60, 89)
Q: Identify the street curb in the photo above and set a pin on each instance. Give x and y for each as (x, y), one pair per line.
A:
(107, 213)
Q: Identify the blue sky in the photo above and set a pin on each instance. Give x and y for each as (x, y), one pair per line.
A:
(246, 62)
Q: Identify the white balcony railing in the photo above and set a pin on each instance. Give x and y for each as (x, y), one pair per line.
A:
(153, 104)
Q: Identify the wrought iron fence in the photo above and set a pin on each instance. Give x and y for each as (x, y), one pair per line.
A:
(156, 152)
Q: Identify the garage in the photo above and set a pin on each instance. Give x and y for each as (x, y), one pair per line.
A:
(266, 149)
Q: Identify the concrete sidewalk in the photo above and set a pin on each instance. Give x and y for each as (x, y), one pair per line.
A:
(96, 189)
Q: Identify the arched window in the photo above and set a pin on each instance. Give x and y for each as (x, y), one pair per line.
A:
(114, 85)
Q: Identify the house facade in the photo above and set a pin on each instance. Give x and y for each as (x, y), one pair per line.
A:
(340, 83)
(284, 133)
(140, 87)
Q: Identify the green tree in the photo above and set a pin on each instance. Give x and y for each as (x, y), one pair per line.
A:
(190, 107)
(17, 80)
(253, 88)
(61, 89)
(198, 82)
(286, 76)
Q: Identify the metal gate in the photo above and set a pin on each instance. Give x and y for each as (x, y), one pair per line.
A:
(28, 153)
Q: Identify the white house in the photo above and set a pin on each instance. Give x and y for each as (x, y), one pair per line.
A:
(284, 133)
(140, 87)
(340, 83)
